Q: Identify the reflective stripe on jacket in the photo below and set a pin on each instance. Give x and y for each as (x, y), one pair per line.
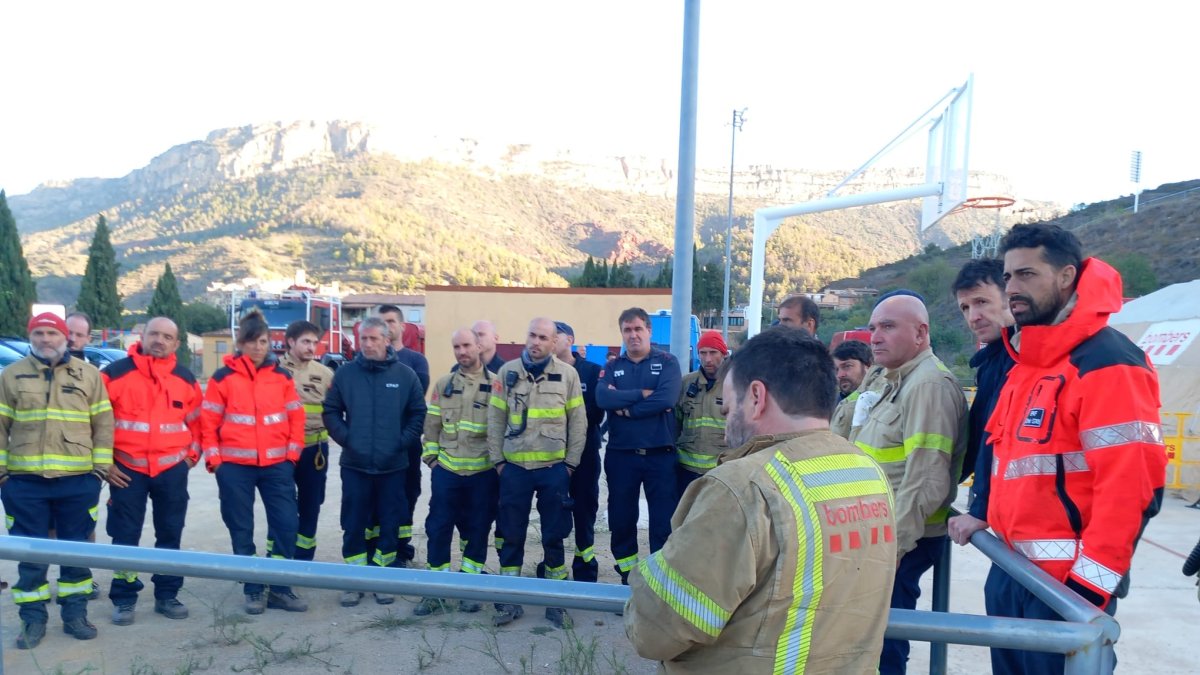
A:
(56, 421)
(537, 423)
(780, 560)
(312, 381)
(456, 423)
(156, 411)
(701, 424)
(1082, 402)
(251, 415)
(917, 430)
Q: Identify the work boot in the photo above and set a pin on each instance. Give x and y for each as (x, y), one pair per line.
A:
(122, 615)
(80, 629)
(170, 608)
(287, 601)
(430, 606)
(469, 606)
(351, 598)
(256, 603)
(559, 617)
(95, 594)
(506, 614)
(31, 635)
(384, 598)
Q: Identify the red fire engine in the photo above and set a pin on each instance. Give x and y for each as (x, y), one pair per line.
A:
(294, 304)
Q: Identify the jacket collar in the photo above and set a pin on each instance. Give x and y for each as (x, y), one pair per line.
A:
(1097, 295)
(897, 375)
(242, 364)
(371, 364)
(148, 365)
(756, 444)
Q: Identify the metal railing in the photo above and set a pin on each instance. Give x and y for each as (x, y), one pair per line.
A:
(1086, 637)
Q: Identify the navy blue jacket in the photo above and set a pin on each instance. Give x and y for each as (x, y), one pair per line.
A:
(651, 420)
(420, 365)
(589, 378)
(991, 365)
(375, 410)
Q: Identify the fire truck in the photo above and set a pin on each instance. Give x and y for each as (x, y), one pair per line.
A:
(294, 304)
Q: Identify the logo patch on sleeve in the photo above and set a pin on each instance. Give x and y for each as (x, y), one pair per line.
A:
(497, 387)
(1034, 417)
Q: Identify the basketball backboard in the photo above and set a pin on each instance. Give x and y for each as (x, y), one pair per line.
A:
(949, 146)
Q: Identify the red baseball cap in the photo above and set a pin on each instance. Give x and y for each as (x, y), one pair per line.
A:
(47, 320)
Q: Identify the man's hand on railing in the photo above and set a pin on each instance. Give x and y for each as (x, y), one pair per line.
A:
(962, 527)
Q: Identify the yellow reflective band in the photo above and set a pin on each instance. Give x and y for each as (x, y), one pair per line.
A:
(39, 594)
(450, 427)
(928, 442)
(626, 564)
(9, 521)
(444, 567)
(940, 516)
(536, 456)
(546, 413)
(697, 460)
(127, 577)
(556, 573)
(6, 411)
(704, 422)
(680, 595)
(464, 463)
(432, 409)
(52, 414)
(27, 463)
(313, 439)
(791, 652)
(102, 406)
(68, 588)
(372, 532)
(102, 455)
(360, 559)
(94, 512)
(471, 566)
(305, 543)
(317, 408)
(514, 571)
(574, 402)
(405, 532)
(497, 402)
(431, 450)
(882, 455)
(381, 559)
(587, 554)
(473, 427)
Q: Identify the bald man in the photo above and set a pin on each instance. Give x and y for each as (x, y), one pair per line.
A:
(915, 427)
(485, 332)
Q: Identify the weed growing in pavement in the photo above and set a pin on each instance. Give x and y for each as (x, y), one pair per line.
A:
(491, 645)
(89, 668)
(191, 664)
(527, 663)
(615, 664)
(541, 630)
(267, 653)
(577, 656)
(426, 654)
(389, 620)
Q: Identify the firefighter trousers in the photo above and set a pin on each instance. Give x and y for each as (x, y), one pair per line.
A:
(368, 496)
(518, 485)
(168, 494)
(276, 484)
(905, 592)
(31, 504)
(627, 471)
(683, 478)
(311, 474)
(465, 502)
(585, 493)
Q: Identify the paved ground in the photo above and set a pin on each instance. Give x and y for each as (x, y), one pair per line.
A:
(1156, 620)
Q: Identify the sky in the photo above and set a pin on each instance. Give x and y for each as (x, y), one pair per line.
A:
(1064, 91)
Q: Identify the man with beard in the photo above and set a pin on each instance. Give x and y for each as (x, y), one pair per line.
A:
(701, 422)
(537, 429)
(852, 359)
(56, 438)
(1079, 460)
(781, 557)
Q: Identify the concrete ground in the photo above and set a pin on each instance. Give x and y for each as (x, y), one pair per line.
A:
(1156, 619)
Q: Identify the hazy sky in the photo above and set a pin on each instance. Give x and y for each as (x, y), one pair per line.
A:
(1064, 90)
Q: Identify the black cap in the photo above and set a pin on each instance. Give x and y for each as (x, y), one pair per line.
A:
(563, 328)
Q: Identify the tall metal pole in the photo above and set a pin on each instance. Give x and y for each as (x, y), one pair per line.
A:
(738, 119)
(685, 193)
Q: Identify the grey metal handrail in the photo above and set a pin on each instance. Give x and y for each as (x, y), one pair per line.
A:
(1080, 641)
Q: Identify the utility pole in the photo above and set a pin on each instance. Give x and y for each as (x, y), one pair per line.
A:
(739, 117)
(1135, 175)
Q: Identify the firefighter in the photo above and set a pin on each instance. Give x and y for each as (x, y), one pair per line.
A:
(463, 482)
(915, 427)
(781, 558)
(253, 434)
(853, 362)
(56, 433)
(537, 428)
(312, 381)
(156, 406)
(1078, 457)
(701, 422)
(585, 481)
(375, 410)
(639, 390)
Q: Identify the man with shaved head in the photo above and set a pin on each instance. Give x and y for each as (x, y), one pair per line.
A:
(156, 406)
(485, 332)
(537, 428)
(915, 428)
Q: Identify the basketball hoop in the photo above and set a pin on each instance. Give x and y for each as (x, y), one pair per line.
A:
(985, 203)
(983, 246)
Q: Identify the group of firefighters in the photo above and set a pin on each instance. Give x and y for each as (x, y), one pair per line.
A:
(775, 543)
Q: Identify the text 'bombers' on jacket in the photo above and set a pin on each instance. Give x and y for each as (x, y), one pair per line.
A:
(1079, 463)
(251, 415)
(156, 411)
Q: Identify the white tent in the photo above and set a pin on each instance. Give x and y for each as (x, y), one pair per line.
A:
(1165, 324)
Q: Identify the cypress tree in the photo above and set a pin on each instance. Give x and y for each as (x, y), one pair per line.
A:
(167, 302)
(17, 292)
(98, 295)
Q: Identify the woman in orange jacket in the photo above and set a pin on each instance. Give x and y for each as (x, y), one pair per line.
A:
(252, 433)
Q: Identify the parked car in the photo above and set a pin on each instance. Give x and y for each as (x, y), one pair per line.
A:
(8, 356)
(100, 357)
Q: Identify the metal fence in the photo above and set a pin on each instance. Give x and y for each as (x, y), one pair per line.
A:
(1086, 637)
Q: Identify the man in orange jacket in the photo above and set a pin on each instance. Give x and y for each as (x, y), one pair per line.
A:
(1079, 461)
(156, 403)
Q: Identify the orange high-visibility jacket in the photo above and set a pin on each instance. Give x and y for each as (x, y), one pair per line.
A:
(251, 415)
(156, 406)
(1079, 461)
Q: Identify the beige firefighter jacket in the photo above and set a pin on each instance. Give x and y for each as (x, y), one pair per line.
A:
(54, 422)
(536, 423)
(312, 381)
(843, 415)
(780, 560)
(701, 424)
(917, 430)
(456, 423)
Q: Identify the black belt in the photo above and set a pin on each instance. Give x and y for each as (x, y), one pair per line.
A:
(660, 450)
